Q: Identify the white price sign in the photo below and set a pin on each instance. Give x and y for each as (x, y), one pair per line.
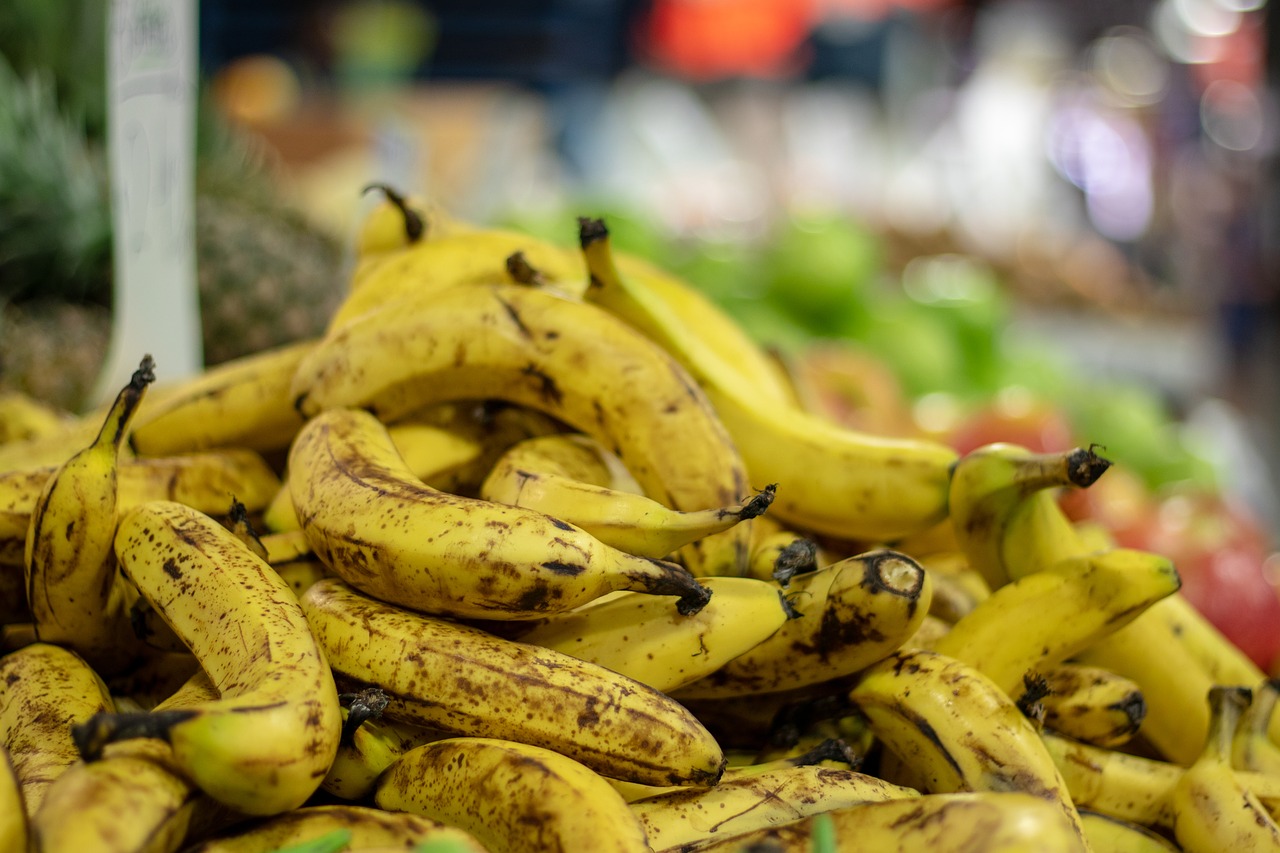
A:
(151, 97)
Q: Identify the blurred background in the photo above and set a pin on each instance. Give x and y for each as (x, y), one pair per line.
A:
(1045, 222)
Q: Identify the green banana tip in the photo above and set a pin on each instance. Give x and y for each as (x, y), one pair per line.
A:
(590, 230)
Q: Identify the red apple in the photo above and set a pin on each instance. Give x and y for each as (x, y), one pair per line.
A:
(1017, 416)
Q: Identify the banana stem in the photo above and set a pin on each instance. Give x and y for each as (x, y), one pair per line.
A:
(105, 727)
(798, 557)
(366, 704)
(523, 272)
(113, 427)
(414, 226)
(1084, 466)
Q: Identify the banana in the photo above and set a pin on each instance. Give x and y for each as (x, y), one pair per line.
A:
(1213, 810)
(852, 614)
(23, 417)
(830, 480)
(779, 553)
(641, 637)
(527, 476)
(243, 402)
(1092, 704)
(395, 223)
(372, 747)
(264, 746)
(364, 827)
(301, 574)
(1003, 506)
(458, 679)
(569, 360)
(990, 821)
(365, 515)
(287, 547)
(1075, 601)
(53, 448)
(1108, 834)
(471, 258)
(1251, 748)
(511, 796)
(956, 728)
(750, 802)
(15, 834)
(46, 690)
(71, 571)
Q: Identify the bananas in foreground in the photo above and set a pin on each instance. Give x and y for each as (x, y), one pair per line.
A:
(535, 549)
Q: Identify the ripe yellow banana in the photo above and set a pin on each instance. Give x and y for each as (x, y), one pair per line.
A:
(71, 570)
(642, 637)
(390, 535)
(990, 821)
(46, 690)
(1003, 505)
(956, 728)
(458, 679)
(15, 833)
(512, 797)
(244, 402)
(852, 614)
(1075, 602)
(569, 360)
(746, 803)
(1251, 747)
(56, 447)
(23, 417)
(1213, 809)
(1092, 704)
(264, 746)
(366, 827)
(1108, 834)
(527, 477)
(301, 574)
(372, 747)
(830, 479)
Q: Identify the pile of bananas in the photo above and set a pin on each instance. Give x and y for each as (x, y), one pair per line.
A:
(534, 550)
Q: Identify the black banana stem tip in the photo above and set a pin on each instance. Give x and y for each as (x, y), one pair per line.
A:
(788, 607)
(693, 601)
(795, 718)
(799, 557)
(758, 504)
(591, 230)
(1031, 702)
(105, 727)
(521, 271)
(366, 704)
(414, 226)
(145, 374)
(831, 749)
(1085, 466)
(239, 514)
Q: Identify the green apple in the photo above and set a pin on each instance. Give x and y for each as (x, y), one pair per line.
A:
(818, 267)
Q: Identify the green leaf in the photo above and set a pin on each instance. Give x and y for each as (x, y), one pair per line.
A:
(330, 842)
(442, 845)
(824, 834)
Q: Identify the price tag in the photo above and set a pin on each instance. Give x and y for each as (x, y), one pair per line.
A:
(151, 96)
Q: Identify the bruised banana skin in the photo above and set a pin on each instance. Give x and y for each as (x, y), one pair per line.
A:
(457, 679)
(570, 360)
(15, 833)
(390, 535)
(1075, 601)
(368, 827)
(852, 614)
(47, 689)
(244, 403)
(264, 746)
(71, 571)
(748, 803)
(512, 797)
(642, 637)
(993, 822)
(1092, 704)
(957, 729)
(830, 479)
(532, 475)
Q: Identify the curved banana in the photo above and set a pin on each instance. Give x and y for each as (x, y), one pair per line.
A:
(830, 479)
(264, 746)
(44, 691)
(364, 826)
(512, 797)
(390, 535)
(990, 821)
(642, 637)
(529, 475)
(1107, 834)
(956, 728)
(372, 747)
(23, 417)
(852, 614)
(747, 803)
(1003, 506)
(458, 679)
(1251, 747)
(15, 833)
(243, 402)
(71, 572)
(1075, 601)
(569, 360)
(1092, 704)
(1213, 810)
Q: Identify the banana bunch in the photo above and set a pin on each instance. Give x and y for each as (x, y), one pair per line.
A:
(534, 549)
